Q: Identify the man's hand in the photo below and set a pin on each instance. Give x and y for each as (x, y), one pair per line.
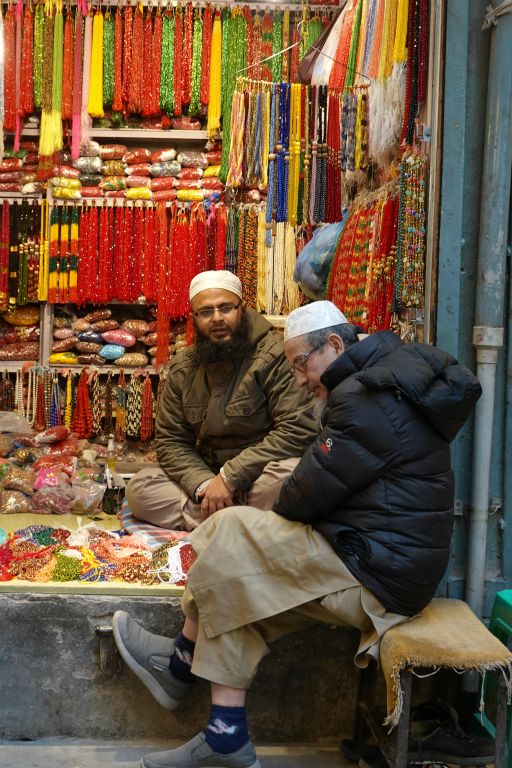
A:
(215, 496)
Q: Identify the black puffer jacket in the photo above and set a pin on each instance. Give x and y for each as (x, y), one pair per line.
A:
(377, 482)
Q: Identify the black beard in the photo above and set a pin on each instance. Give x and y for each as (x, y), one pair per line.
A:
(218, 352)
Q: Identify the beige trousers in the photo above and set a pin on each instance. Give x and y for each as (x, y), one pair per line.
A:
(154, 498)
(258, 577)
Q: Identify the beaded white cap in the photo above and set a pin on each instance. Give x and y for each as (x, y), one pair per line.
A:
(312, 317)
(215, 278)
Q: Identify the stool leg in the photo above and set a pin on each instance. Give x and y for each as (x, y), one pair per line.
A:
(367, 679)
(500, 745)
(402, 733)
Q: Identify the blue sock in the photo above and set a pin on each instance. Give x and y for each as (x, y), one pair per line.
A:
(227, 729)
(181, 660)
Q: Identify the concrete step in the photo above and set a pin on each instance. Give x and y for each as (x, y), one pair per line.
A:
(87, 753)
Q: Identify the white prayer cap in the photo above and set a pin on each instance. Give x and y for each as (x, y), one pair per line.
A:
(219, 278)
(312, 317)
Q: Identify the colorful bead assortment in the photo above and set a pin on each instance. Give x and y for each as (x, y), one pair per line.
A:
(46, 554)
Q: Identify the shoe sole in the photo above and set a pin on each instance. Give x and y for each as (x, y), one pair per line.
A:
(156, 690)
(418, 758)
(257, 764)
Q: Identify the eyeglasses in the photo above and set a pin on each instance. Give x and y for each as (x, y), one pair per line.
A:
(301, 362)
(206, 313)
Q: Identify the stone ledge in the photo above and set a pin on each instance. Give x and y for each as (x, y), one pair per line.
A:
(51, 683)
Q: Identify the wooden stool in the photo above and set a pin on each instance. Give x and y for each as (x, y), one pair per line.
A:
(446, 635)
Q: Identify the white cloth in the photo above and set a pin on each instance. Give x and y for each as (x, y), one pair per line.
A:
(312, 317)
(219, 278)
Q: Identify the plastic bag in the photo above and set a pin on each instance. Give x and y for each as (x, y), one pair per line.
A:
(87, 496)
(62, 463)
(96, 315)
(132, 360)
(64, 345)
(120, 336)
(138, 193)
(165, 194)
(17, 479)
(50, 477)
(112, 151)
(314, 261)
(57, 500)
(137, 156)
(163, 183)
(111, 351)
(193, 159)
(136, 327)
(12, 502)
(162, 155)
(52, 435)
(22, 316)
(138, 169)
(11, 422)
(169, 168)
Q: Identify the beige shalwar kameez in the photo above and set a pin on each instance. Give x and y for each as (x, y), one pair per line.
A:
(258, 577)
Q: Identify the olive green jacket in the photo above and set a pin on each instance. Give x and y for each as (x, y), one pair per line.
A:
(235, 416)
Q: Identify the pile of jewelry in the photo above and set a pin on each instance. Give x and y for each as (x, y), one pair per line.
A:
(44, 554)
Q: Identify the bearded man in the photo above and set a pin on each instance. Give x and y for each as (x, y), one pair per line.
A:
(231, 425)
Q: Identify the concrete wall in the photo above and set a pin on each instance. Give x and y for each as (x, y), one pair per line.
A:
(51, 682)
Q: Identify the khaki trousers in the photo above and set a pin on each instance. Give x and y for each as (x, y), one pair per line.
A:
(154, 498)
(259, 577)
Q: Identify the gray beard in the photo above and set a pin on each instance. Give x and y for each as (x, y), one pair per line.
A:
(319, 405)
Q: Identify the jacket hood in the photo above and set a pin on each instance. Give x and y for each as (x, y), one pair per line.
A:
(442, 389)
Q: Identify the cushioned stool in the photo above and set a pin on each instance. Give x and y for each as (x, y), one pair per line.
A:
(446, 635)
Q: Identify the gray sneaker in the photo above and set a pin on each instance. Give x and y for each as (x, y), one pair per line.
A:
(197, 752)
(148, 657)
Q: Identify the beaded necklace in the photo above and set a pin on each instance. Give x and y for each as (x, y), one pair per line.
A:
(23, 235)
(178, 61)
(135, 85)
(276, 63)
(187, 53)
(410, 256)
(108, 57)
(147, 74)
(283, 138)
(127, 53)
(27, 64)
(95, 102)
(166, 101)
(295, 143)
(333, 163)
(38, 54)
(321, 160)
(147, 410)
(133, 407)
(271, 167)
(236, 56)
(156, 63)
(67, 68)
(96, 404)
(82, 421)
(117, 92)
(120, 394)
(4, 257)
(214, 104)
(9, 70)
(77, 89)
(236, 152)
(197, 45)
(206, 49)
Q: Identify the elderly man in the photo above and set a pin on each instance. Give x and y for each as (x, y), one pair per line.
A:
(360, 534)
(231, 424)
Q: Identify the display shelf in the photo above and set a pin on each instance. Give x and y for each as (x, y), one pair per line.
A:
(14, 365)
(102, 368)
(148, 134)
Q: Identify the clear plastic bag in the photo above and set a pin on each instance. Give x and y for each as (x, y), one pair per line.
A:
(87, 496)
